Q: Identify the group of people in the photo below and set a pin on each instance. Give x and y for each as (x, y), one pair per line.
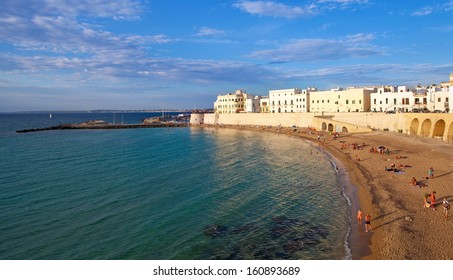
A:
(380, 150)
(367, 220)
(354, 146)
(431, 203)
(414, 182)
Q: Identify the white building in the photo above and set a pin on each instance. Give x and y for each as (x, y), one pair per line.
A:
(252, 103)
(450, 98)
(289, 100)
(264, 104)
(339, 100)
(398, 99)
(230, 103)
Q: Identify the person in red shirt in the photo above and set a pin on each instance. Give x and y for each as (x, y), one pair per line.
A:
(433, 200)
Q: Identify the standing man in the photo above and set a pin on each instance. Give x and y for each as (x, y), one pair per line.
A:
(367, 222)
(433, 200)
(446, 206)
(431, 173)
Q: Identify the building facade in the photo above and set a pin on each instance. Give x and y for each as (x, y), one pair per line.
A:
(289, 100)
(339, 100)
(230, 103)
(397, 99)
(252, 103)
(264, 104)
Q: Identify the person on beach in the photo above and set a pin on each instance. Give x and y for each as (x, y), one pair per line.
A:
(433, 200)
(446, 206)
(359, 216)
(413, 182)
(426, 203)
(431, 173)
(367, 222)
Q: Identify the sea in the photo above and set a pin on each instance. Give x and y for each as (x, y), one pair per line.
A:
(186, 193)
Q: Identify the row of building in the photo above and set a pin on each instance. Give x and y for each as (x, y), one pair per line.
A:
(434, 98)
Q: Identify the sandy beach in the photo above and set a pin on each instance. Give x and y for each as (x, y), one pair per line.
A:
(402, 228)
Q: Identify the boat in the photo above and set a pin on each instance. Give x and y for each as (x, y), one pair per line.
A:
(50, 115)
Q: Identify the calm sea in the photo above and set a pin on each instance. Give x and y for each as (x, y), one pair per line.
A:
(179, 193)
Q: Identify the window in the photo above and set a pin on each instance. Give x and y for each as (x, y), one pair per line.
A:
(394, 101)
(375, 101)
(438, 99)
(353, 101)
(386, 101)
(347, 101)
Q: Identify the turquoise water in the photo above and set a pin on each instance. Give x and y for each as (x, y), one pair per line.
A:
(179, 193)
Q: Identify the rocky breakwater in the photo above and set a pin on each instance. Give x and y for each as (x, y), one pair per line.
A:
(100, 124)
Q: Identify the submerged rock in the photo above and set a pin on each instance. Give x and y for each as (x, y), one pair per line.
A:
(214, 230)
(242, 229)
(293, 246)
(285, 226)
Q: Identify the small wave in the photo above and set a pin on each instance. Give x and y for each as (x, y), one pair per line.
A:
(348, 252)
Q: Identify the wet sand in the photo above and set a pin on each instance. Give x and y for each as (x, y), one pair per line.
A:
(402, 228)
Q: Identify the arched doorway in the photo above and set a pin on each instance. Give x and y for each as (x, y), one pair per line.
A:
(426, 127)
(330, 127)
(439, 129)
(413, 130)
(450, 133)
(324, 126)
(344, 129)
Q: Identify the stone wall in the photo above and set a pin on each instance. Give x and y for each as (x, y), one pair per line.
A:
(285, 120)
(422, 124)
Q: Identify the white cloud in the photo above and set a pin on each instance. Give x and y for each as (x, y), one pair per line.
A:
(206, 31)
(55, 26)
(373, 74)
(309, 50)
(423, 12)
(274, 9)
(444, 7)
(121, 9)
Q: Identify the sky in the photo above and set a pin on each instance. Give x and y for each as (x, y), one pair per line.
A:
(173, 54)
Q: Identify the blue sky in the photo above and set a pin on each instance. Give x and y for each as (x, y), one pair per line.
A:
(131, 54)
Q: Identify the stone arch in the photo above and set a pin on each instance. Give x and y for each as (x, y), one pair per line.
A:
(425, 128)
(413, 129)
(344, 129)
(450, 133)
(330, 127)
(439, 128)
(324, 126)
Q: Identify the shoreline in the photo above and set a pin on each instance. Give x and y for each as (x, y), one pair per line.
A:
(402, 228)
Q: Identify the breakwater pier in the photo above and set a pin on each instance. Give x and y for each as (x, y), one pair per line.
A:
(104, 125)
